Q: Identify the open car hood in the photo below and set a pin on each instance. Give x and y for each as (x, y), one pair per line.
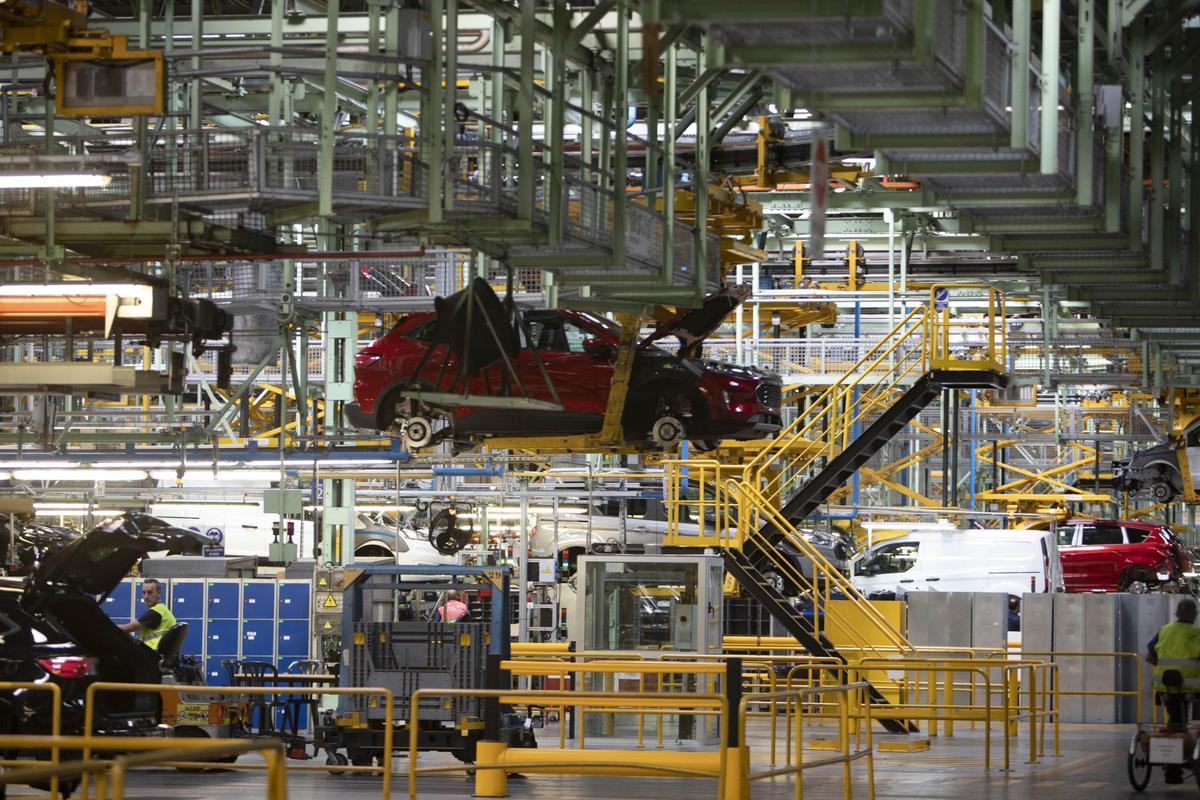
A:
(96, 561)
(693, 325)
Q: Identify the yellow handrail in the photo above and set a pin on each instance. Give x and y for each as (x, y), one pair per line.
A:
(389, 706)
(830, 578)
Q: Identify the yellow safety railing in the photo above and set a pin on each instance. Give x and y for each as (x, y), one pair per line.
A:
(388, 724)
(494, 759)
(930, 689)
(662, 671)
(1135, 693)
(963, 340)
(825, 580)
(852, 703)
(56, 706)
(928, 337)
(151, 751)
(155, 751)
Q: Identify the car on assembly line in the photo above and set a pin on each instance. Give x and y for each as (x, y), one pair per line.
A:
(1121, 556)
(53, 630)
(1155, 471)
(671, 396)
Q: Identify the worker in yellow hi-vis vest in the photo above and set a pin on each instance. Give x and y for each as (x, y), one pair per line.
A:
(1176, 648)
(156, 620)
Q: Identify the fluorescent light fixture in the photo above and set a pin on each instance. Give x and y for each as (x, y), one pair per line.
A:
(63, 465)
(222, 476)
(54, 180)
(80, 475)
(69, 510)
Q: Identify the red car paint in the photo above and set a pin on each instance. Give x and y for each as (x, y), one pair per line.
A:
(1109, 555)
(722, 400)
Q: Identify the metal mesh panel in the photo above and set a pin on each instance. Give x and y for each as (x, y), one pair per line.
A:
(407, 656)
(888, 28)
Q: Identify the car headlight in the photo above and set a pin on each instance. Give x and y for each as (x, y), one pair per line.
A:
(732, 370)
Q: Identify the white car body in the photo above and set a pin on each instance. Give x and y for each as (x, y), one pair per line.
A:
(953, 560)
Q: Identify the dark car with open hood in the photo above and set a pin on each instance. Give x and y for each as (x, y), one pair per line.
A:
(53, 630)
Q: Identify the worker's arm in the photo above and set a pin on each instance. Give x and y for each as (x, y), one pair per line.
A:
(148, 621)
(1152, 651)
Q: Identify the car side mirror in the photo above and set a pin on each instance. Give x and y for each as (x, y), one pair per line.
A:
(598, 348)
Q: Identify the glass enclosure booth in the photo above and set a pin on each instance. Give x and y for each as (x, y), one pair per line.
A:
(643, 607)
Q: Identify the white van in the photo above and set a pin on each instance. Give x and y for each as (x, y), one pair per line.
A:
(953, 560)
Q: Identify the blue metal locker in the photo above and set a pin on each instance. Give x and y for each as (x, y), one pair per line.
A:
(293, 638)
(295, 599)
(119, 603)
(187, 599)
(224, 599)
(258, 639)
(215, 673)
(258, 600)
(221, 637)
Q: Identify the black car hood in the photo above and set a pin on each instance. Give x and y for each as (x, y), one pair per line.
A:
(97, 561)
(692, 326)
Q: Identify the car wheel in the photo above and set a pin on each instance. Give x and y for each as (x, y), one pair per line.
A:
(1134, 582)
(666, 432)
(1162, 491)
(418, 432)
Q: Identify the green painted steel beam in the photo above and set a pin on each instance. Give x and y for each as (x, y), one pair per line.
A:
(1040, 244)
(1139, 296)
(1130, 9)
(844, 139)
(556, 261)
(1122, 261)
(1023, 225)
(1085, 277)
(925, 167)
(762, 56)
(588, 23)
(699, 11)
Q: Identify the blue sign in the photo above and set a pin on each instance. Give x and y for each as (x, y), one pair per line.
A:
(941, 298)
(215, 550)
(217, 535)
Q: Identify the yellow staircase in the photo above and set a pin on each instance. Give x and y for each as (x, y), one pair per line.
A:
(751, 512)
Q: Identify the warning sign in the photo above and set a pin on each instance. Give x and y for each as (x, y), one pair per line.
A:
(329, 601)
(322, 582)
(328, 626)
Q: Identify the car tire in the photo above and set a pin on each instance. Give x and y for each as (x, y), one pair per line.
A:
(1134, 582)
(418, 432)
(666, 432)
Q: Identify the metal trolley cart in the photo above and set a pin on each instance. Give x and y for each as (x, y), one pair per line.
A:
(393, 637)
(1152, 747)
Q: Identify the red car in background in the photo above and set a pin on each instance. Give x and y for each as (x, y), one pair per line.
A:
(1120, 556)
(671, 396)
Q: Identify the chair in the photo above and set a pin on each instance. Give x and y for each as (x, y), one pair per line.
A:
(169, 646)
(260, 674)
(307, 666)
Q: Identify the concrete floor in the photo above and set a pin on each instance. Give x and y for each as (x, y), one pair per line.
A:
(1092, 767)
